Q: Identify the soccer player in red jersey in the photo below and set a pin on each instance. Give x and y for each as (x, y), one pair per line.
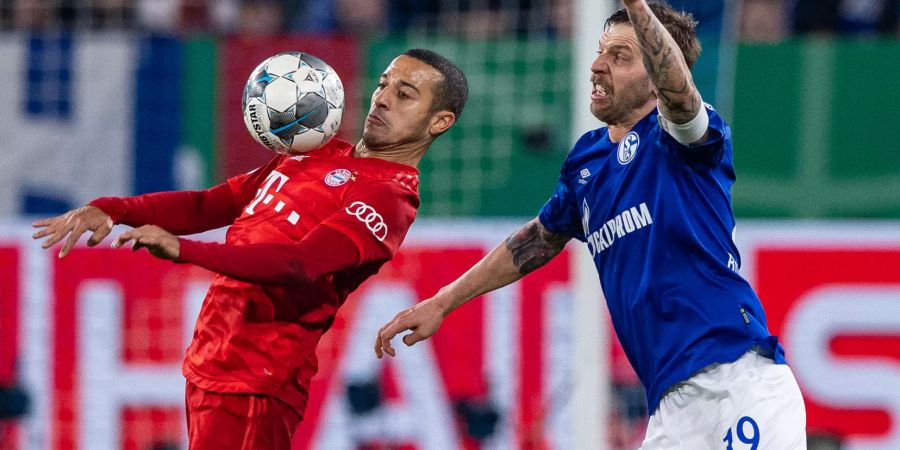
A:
(305, 231)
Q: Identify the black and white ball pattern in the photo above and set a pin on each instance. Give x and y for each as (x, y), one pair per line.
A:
(293, 103)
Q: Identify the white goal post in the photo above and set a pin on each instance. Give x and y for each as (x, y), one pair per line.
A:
(591, 378)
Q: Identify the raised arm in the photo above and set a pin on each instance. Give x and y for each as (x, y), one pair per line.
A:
(529, 248)
(679, 100)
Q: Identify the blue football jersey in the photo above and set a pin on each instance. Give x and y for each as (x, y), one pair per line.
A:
(656, 217)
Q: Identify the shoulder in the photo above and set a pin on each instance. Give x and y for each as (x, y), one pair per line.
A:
(708, 151)
(588, 140)
(585, 148)
(397, 188)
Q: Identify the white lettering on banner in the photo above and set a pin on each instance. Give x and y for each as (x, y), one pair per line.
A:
(263, 194)
(622, 224)
(425, 417)
(106, 383)
(367, 215)
(813, 322)
(851, 383)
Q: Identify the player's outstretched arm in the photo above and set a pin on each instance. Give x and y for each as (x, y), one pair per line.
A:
(529, 248)
(180, 212)
(71, 226)
(188, 212)
(679, 100)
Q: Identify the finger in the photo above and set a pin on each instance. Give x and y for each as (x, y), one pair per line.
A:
(143, 241)
(412, 338)
(392, 330)
(138, 244)
(123, 238)
(45, 222)
(59, 231)
(388, 348)
(43, 232)
(74, 235)
(99, 235)
(378, 352)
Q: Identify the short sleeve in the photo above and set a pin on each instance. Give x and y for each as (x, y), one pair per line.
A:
(376, 217)
(709, 152)
(560, 213)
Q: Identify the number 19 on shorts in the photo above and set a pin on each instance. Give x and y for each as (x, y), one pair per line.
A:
(747, 431)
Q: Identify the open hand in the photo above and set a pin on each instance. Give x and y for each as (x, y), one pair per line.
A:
(423, 320)
(160, 243)
(73, 224)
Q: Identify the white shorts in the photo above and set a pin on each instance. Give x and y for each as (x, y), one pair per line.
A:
(751, 404)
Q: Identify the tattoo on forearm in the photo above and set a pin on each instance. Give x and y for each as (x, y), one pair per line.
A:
(532, 246)
(667, 71)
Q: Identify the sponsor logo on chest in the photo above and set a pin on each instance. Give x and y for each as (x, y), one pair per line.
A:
(624, 223)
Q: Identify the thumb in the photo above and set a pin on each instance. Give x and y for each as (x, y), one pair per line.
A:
(412, 338)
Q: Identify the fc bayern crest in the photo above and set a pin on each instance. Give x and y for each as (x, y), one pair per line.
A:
(628, 147)
(337, 177)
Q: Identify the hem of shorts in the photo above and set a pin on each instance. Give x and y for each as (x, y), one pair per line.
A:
(207, 383)
(671, 385)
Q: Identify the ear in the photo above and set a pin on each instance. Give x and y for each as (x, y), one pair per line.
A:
(441, 121)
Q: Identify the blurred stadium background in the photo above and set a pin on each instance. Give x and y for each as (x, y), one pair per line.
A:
(120, 97)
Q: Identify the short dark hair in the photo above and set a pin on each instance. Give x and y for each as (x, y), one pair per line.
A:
(451, 94)
(681, 25)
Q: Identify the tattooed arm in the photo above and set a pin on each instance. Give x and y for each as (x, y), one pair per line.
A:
(523, 252)
(529, 248)
(679, 100)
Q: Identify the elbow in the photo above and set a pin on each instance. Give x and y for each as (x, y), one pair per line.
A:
(298, 273)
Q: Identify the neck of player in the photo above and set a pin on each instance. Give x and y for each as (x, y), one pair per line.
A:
(617, 131)
(407, 153)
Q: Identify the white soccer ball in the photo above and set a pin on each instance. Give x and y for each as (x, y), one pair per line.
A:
(293, 103)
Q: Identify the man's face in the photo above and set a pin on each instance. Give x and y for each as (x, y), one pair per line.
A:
(401, 108)
(620, 81)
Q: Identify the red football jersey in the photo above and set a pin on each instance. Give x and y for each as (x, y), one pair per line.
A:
(262, 338)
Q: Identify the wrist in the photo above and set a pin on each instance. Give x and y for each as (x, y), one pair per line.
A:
(185, 249)
(444, 301)
(111, 206)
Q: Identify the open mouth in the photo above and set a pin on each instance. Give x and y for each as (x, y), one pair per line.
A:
(598, 92)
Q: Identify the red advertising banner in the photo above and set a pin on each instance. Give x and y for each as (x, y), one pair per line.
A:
(837, 311)
(117, 324)
(9, 312)
(97, 340)
(9, 333)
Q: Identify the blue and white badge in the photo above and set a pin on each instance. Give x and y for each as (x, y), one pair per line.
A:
(338, 177)
(628, 147)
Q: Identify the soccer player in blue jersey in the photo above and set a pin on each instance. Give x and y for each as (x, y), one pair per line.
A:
(650, 196)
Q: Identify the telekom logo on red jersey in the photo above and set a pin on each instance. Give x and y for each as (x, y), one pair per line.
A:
(367, 215)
